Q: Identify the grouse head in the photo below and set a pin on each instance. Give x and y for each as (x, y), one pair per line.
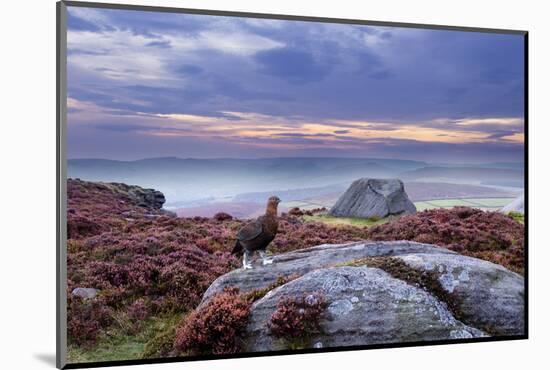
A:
(272, 203)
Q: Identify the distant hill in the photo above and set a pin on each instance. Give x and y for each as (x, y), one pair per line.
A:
(512, 177)
(509, 165)
(419, 191)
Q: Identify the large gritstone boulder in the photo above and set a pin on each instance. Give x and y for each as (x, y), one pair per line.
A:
(367, 198)
(381, 292)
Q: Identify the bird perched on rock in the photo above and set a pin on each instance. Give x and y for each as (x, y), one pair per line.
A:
(256, 235)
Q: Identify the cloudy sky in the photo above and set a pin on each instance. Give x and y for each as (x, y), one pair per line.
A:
(144, 84)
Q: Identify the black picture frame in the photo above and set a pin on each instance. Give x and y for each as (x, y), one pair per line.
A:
(61, 176)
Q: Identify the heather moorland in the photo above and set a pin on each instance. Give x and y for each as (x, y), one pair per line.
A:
(151, 268)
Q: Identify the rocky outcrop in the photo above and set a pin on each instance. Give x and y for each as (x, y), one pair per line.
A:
(147, 198)
(367, 198)
(383, 292)
(517, 205)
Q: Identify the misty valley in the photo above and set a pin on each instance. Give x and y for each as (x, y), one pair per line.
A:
(203, 187)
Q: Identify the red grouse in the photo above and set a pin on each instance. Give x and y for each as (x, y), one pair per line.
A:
(256, 235)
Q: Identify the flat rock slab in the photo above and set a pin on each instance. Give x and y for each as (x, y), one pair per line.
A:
(302, 261)
(367, 305)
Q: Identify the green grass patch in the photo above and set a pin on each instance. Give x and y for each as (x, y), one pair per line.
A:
(421, 206)
(482, 203)
(520, 217)
(353, 221)
(490, 202)
(117, 344)
(449, 202)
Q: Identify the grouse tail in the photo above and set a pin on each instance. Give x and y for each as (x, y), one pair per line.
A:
(238, 248)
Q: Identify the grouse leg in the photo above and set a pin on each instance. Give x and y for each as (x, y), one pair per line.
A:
(265, 259)
(246, 260)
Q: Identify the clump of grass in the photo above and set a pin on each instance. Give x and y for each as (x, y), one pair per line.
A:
(346, 221)
(116, 343)
(162, 343)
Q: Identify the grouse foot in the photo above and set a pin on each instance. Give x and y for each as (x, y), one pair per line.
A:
(265, 260)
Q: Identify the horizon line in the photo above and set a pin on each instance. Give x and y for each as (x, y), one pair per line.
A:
(284, 157)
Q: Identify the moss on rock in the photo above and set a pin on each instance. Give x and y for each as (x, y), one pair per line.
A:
(427, 280)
